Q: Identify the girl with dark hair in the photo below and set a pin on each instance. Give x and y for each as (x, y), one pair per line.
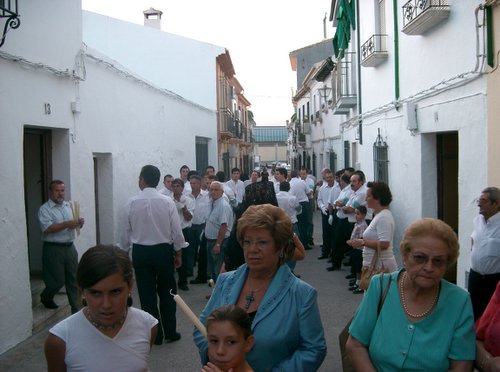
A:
(107, 334)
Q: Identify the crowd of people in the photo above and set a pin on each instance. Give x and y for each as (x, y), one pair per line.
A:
(247, 237)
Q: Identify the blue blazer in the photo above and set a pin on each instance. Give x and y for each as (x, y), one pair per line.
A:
(287, 326)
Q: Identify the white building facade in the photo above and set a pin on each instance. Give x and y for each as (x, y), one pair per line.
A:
(408, 106)
(69, 111)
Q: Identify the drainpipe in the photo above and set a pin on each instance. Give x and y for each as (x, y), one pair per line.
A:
(358, 53)
(396, 53)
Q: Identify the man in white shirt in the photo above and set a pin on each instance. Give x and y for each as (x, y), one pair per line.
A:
(201, 211)
(289, 204)
(357, 198)
(236, 185)
(153, 229)
(311, 185)
(185, 208)
(59, 257)
(167, 186)
(324, 206)
(217, 228)
(485, 258)
(209, 171)
(183, 175)
(299, 188)
(342, 227)
(280, 175)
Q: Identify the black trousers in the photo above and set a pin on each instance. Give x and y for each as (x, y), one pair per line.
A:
(202, 260)
(155, 277)
(59, 263)
(356, 261)
(481, 288)
(343, 231)
(327, 235)
(303, 222)
(197, 231)
(186, 269)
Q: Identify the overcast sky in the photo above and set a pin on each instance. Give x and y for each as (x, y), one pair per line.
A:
(259, 35)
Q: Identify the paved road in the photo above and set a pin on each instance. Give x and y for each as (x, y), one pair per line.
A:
(336, 303)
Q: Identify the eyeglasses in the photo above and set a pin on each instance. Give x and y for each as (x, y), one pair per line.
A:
(261, 244)
(421, 259)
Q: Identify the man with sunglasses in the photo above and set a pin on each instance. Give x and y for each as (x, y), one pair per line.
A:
(485, 258)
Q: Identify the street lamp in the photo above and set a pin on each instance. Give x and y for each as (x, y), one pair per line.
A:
(325, 93)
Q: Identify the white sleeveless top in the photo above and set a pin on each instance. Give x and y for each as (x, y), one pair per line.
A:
(88, 349)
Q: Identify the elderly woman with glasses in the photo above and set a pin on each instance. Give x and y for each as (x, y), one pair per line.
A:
(425, 322)
(283, 309)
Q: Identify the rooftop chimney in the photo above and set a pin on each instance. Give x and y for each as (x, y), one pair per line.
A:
(152, 18)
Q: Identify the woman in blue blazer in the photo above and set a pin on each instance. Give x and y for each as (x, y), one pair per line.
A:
(285, 317)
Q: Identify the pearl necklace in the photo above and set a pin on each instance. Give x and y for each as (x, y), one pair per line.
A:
(405, 307)
(103, 327)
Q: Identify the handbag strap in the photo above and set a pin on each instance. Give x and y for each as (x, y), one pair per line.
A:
(383, 294)
(376, 254)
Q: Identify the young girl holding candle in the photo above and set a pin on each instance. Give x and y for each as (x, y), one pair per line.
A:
(229, 337)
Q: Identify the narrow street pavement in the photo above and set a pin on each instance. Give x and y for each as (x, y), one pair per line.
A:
(336, 303)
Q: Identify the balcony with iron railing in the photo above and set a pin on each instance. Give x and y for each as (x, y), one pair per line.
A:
(421, 15)
(374, 51)
(226, 123)
(245, 136)
(344, 85)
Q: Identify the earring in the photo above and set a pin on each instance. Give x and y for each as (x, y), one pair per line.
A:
(282, 254)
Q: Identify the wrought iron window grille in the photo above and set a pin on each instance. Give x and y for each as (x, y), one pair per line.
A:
(381, 159)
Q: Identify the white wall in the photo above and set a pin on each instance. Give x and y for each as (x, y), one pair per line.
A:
(182, 65)
(49, 36)
(444, 52)
(124, 123)
(412, 159)
(138, 125)
(325, 132)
